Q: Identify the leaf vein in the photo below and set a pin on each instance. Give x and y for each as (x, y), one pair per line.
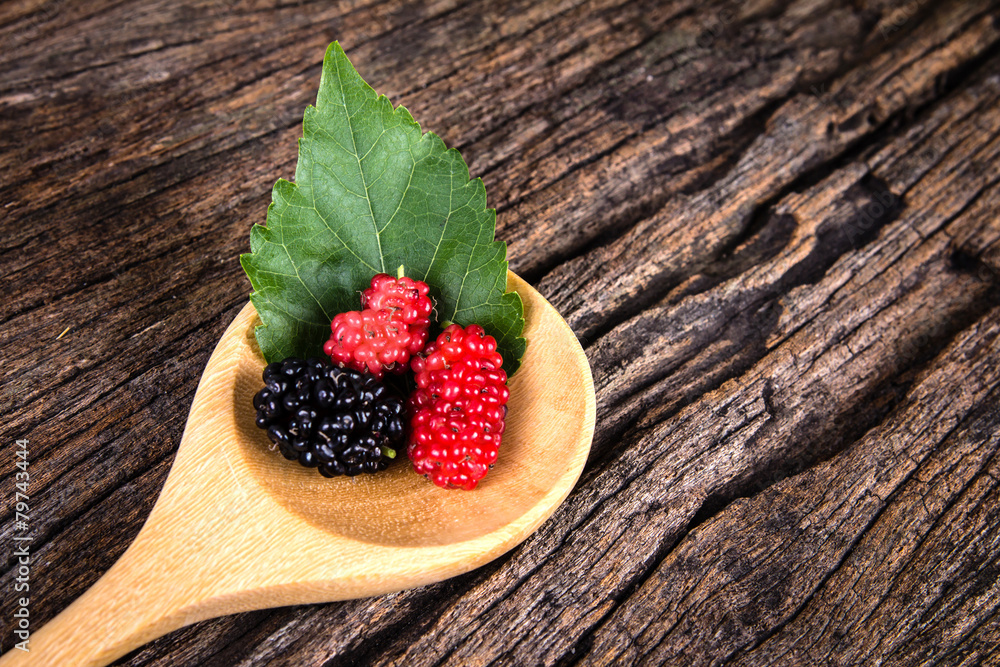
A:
(361, 170)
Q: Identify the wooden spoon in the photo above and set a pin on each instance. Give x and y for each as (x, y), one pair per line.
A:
(237, 527)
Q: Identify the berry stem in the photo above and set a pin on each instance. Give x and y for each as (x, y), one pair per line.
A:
(399, 272)
(388, 452)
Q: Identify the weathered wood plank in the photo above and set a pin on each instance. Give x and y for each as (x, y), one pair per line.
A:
(601, 287)
(907, 513)
(708, 331)
(773, 223)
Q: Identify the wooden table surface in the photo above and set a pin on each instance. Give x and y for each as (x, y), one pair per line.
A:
(775, 227)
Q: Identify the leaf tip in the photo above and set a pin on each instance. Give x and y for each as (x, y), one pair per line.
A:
(334, 51)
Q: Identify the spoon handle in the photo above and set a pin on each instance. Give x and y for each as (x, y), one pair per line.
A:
(175, 571)
(208, 548)
(135, 601)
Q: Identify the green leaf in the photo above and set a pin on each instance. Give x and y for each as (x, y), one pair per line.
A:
(371, 193)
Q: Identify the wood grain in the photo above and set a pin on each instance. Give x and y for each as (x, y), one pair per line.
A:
(773, 226)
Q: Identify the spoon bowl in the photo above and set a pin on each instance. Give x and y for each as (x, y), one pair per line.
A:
(237, 527)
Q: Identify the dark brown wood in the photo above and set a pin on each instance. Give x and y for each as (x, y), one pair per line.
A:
(775, 227)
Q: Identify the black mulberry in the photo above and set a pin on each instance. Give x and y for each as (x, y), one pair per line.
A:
(335, 419)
